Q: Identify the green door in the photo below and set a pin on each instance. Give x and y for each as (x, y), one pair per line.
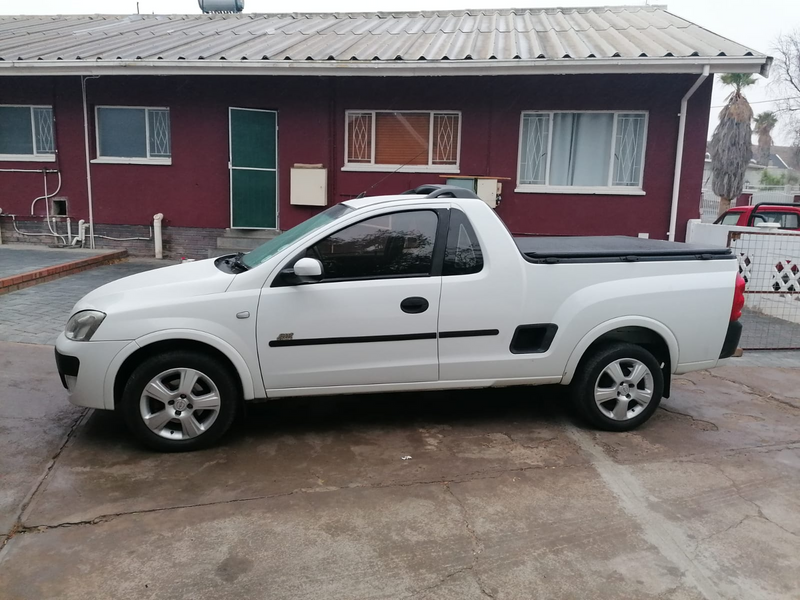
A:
(254, 168)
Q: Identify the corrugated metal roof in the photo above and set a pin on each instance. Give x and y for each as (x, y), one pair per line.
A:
(523, 35)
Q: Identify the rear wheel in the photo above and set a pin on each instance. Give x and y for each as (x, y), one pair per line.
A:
(619, 387)
(179, 401)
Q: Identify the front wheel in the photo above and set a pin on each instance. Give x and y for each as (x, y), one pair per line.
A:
(619, 387)
(179, 401)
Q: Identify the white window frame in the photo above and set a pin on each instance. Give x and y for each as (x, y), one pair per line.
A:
(429, 168)
(36, 156)
(133, 160)
(607, 190)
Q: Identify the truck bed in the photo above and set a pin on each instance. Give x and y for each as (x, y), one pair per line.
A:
(580, 249)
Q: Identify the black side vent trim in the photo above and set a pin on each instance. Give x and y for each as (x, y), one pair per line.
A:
(533, 339)
(468, 333)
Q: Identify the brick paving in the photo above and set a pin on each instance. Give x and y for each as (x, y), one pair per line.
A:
(36, 315)
(16, 259)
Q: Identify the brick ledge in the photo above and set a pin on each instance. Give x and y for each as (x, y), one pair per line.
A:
(23, 280)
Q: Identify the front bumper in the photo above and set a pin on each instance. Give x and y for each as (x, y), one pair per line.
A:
(84, 368)
(732, 338)
(68, 369)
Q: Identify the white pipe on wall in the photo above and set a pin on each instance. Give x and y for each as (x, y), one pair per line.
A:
(88, 158)
(676, 182)
(157, 234)
(46, 195)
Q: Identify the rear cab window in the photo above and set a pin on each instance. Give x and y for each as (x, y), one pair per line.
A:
(463, 254)
(786, 220)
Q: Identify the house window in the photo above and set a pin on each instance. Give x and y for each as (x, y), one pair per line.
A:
(582, 152)
(410, 140)
(27, 133)
(133, 135)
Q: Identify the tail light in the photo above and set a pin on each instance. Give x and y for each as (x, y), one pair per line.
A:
(738, 298)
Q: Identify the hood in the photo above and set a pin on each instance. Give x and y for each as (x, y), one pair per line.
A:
(185, 280)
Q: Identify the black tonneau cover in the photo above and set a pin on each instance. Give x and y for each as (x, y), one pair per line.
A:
(573, 249)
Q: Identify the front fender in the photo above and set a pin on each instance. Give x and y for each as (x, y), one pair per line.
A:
(617, 323)
(250, 384)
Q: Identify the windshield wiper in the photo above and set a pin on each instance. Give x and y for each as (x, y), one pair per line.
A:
(236, 262)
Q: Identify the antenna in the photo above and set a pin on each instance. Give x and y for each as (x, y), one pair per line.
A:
(382, 179)
(221, 6)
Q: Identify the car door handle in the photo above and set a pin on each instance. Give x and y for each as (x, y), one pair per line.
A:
(414, 305)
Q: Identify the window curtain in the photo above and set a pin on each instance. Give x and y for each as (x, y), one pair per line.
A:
(581, 151)
(402, 138)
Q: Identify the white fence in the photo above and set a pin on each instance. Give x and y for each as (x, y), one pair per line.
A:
(769, 261)
(709, 202)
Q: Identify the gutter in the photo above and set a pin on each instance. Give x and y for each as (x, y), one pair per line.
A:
(382, 68)
(676, 182)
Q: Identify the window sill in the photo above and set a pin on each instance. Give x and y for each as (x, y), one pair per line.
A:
(27, 158)
(580, 190)
(405, 169)
(132, 161)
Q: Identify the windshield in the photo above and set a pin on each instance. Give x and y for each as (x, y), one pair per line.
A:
(269, 249)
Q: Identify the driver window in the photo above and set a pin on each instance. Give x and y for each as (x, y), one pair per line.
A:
(393, 245)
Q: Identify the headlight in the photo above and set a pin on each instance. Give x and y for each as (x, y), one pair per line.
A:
(82, 325)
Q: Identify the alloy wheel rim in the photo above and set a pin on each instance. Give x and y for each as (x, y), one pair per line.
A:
(623, 389)
(180, 404)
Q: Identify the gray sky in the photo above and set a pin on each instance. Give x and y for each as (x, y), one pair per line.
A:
(755, 24)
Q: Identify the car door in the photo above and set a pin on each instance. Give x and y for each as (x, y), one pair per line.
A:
(371, 319)
(481, 303)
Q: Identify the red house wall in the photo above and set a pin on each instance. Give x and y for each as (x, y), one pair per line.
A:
(194, 190)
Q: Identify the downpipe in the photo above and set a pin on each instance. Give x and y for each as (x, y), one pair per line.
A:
(157, 218)
(89, 195)
(676, 182)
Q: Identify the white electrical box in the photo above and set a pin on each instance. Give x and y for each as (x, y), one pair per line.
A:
(309, 187)
(488, 190)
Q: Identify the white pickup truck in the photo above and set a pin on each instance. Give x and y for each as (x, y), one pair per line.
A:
(419, 291)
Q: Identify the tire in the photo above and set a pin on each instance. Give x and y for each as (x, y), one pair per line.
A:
(161, 400)
(625, 375)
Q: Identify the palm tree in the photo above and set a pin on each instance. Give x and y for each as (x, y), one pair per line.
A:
(764, 124)
(730, 146)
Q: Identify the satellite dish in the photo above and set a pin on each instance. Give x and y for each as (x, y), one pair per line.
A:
(221, 6)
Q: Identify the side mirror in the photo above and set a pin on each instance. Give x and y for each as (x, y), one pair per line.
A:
(308, 267)
(305, 270)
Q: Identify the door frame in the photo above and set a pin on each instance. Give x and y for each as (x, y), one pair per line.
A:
(231, 168)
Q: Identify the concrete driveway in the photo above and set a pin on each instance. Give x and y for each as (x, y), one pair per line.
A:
(492, 494)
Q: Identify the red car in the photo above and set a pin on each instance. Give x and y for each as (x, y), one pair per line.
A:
(786, 215)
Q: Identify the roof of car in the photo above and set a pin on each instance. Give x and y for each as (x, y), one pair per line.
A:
(770, 205)
(372, 200)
